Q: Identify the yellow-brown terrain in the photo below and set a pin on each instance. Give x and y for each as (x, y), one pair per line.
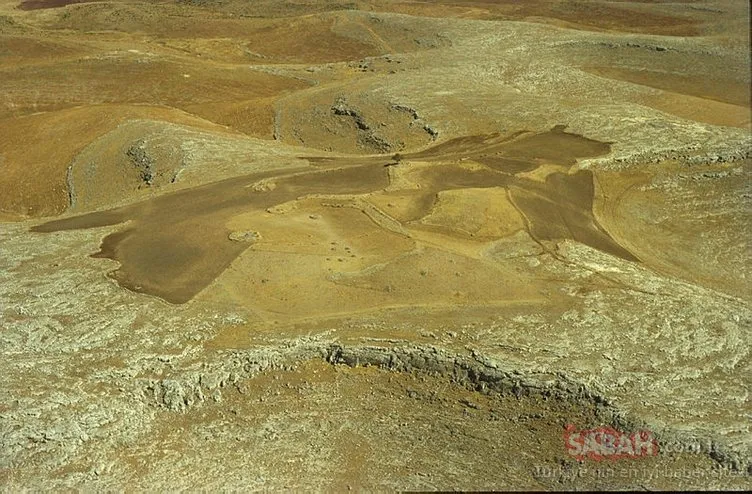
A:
(373, 244)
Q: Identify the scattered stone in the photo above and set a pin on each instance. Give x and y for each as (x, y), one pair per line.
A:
(244, 236)
(470, 404)
(431, 131)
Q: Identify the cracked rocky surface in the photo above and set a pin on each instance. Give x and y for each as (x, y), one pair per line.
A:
(222, 276)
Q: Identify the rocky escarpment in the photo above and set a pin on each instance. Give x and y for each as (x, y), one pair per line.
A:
(470, 370)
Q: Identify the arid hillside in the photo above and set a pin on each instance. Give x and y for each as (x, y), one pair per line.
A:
(377, 244)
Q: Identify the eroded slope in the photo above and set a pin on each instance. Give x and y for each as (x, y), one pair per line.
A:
(320, 228)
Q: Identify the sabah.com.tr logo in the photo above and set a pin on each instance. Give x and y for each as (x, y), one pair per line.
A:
(606, 443)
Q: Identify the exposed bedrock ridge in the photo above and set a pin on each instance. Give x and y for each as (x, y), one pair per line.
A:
(472, 370)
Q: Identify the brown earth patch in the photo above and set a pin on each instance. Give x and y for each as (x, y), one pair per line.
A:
(49, 4)
(35, 151)
(578, 14)
(175, 245)
(133, 78)
(724, 91)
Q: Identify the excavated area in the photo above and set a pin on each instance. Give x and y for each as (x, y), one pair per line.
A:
(175, 245)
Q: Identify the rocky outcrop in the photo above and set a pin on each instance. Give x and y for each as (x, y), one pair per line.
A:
(368, 137)
(471, 370)
(142, 161)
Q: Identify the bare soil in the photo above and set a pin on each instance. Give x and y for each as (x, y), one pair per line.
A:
(373, 245)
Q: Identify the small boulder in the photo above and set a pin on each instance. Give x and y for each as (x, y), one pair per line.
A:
(244, 236)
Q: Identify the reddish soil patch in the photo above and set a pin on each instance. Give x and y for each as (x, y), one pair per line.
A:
(641, 18)
(48, 4)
